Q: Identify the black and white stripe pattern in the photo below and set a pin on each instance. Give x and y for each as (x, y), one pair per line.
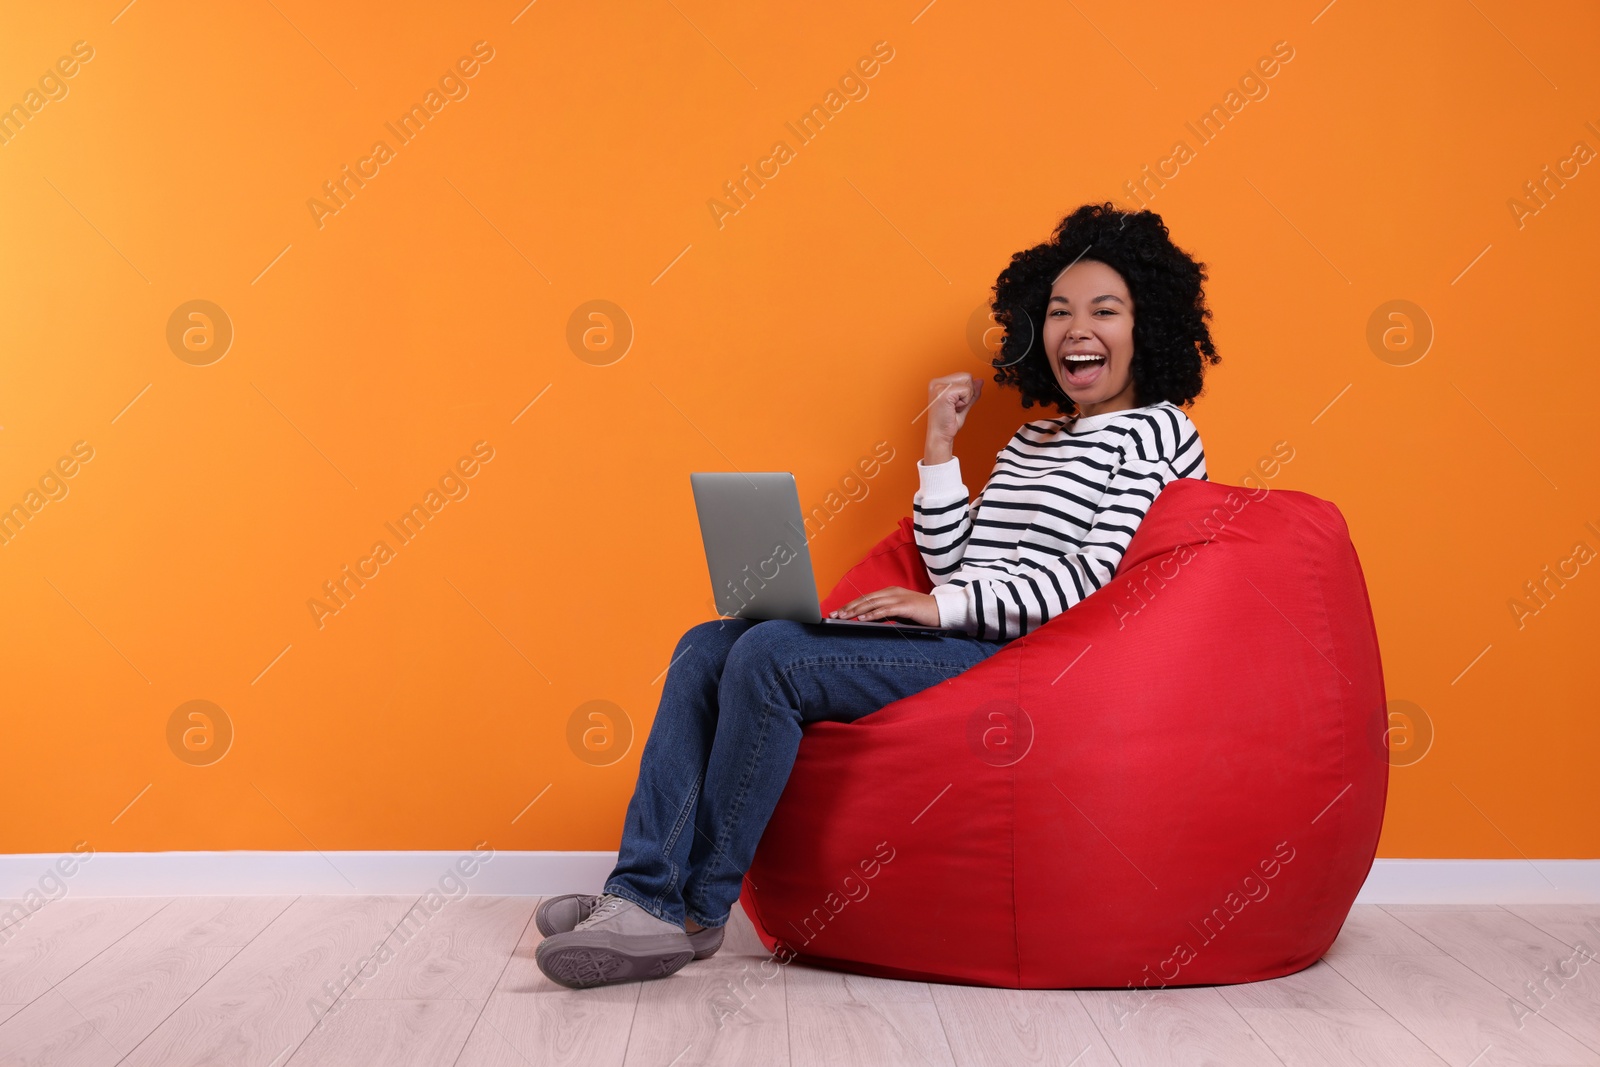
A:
(1053, 521)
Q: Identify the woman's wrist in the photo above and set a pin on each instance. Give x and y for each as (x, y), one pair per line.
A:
(937, 450)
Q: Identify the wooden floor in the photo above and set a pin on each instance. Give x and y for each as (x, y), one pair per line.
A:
(209, 982)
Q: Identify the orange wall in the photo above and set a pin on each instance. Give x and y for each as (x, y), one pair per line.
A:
(375, 346)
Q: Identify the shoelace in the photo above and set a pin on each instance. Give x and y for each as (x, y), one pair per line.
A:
(609, 906)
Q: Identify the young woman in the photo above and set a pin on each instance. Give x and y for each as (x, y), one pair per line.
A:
(1106, 322)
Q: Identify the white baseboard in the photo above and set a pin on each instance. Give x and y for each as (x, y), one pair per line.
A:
(115, 874)
(247, 873)
(1393, 881)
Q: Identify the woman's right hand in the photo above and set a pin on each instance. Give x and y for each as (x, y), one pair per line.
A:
(949, 400)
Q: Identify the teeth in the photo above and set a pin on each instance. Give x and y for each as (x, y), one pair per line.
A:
(1081, 359)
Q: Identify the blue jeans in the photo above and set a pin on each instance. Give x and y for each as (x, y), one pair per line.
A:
(725, 737)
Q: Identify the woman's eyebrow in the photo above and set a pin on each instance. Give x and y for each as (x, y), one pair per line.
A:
(1096, 300)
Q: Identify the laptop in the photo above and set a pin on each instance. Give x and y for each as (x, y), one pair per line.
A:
(755, 544)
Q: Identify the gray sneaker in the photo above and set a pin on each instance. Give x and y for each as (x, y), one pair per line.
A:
(618, 942)
(560, 914)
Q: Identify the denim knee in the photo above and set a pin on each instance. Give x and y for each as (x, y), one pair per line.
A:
(761, 647)
(713, 638)
(700, 631)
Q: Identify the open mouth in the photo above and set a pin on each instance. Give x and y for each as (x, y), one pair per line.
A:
(1081, 370)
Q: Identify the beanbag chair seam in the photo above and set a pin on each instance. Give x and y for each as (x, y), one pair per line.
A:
(1344, 832)
(1314, 566)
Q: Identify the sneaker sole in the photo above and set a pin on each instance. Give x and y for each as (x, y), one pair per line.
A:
(581, 961)
(706, 942)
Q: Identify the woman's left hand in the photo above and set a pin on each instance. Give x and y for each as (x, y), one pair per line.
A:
(892, 602)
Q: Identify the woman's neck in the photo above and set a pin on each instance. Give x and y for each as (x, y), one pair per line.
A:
(1071, 419)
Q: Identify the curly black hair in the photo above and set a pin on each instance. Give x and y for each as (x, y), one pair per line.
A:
(1171, 341)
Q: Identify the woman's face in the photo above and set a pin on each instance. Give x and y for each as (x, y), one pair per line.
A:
(1090, 312)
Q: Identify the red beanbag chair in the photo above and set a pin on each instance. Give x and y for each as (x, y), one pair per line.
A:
(1178, 781)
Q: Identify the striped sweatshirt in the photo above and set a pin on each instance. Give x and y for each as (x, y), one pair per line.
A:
(1055, 518)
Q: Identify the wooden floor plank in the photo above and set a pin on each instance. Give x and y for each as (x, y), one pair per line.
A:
(529, 1019)
(1319, 987)
(1370, 930)
(818, 985)
(113, 1003)
(390, 1033)
(51, 1031)
(85, 979)
(1456, 1013)
(1439, 907)
(61, 937)
(456, 953)
(1189, 1025)
(990, 1027)
(837, 1018)
(725, 1011)
(1571, 924)
(1538, 972)
(257, 1008)
(1339, 1037)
